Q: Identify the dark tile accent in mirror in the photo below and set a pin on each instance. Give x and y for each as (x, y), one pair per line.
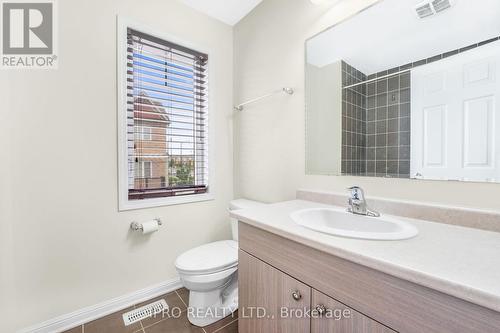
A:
(393, 111)
(393, 83)
(386, 124)
(374, 116)
(354, 116)
(404, 110)
(381, 113)
(404, 80)
(381, 99)
(393, 139)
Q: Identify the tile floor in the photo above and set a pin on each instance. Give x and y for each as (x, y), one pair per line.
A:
(113, 323)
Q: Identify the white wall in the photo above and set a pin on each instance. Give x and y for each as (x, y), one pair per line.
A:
(269, 137)
(70, 246)
(6, 276)
(324, 119)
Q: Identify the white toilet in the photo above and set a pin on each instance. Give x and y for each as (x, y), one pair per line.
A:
(210, 273)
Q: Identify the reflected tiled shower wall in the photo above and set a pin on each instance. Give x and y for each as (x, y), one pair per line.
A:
(353, 121)
(388, 125)
(375, 123)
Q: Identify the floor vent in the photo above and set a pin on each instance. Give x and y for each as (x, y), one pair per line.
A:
(144, 312)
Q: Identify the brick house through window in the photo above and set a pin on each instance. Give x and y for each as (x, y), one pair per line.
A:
(150, 144)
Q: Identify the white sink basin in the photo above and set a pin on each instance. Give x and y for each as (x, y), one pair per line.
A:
(339, 222)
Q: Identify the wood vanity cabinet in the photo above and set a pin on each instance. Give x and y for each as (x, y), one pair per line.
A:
(338, 323)
(276, 272)
(266, 288)
(271, 301)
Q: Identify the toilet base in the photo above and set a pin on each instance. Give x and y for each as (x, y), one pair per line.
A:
(208, 307)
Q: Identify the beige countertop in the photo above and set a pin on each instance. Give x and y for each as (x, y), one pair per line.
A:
(462, 262)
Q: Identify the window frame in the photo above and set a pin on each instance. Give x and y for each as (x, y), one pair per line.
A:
(124, 203)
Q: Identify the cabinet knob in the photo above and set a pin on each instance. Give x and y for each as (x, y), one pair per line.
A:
(296, 295)
(320, 309)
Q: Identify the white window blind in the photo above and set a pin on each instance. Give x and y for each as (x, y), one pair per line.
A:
(166, 118)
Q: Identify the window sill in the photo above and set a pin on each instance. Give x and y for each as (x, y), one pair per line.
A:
(167, 201)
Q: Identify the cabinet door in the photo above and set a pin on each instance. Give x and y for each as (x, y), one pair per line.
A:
(269, 300)
(330, 316)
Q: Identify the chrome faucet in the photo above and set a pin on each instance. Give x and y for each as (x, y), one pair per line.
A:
(357, 203)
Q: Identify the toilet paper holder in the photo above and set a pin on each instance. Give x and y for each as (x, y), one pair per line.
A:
(136, 226)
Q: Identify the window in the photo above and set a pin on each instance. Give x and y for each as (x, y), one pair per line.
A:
(143, 170)
(166, 111)
(144, 134)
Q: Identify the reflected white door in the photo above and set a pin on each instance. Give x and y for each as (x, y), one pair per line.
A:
(455, 117)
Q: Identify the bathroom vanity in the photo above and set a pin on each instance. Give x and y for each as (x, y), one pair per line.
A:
(292, 279)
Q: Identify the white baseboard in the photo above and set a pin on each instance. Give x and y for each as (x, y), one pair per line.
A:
(85, 315)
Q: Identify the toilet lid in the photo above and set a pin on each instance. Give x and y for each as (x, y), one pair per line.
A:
(209, 258)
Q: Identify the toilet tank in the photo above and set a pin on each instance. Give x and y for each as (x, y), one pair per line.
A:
(241, 204)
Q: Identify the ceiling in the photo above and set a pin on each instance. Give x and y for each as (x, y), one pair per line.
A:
(389, 34)
(227, 11)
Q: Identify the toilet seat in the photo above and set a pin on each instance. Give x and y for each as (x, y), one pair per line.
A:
(209, 258)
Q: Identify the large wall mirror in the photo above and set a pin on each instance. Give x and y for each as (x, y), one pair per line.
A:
(407, 89)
